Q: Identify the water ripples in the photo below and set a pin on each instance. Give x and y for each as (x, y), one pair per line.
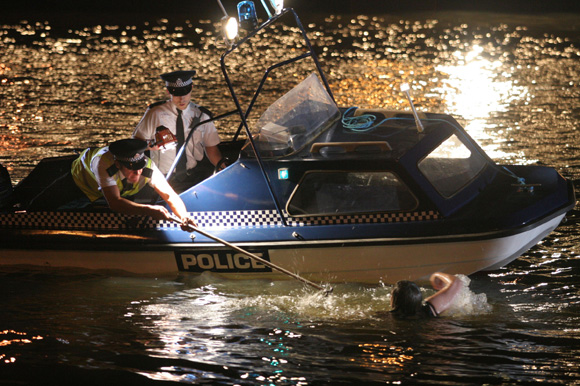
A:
(511, 80)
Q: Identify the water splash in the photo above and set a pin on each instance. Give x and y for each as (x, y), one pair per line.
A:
(467, 302)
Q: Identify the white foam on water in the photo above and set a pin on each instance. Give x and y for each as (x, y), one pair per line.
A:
(466, 302)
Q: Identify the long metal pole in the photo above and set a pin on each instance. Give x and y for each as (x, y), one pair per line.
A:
(326, 290)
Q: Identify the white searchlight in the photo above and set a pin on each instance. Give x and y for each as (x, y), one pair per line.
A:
(230, 28)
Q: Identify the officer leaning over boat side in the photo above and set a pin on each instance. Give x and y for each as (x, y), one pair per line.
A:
(116, 172)
(180, 115)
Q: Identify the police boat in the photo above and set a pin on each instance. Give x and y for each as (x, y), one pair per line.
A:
(311, 188)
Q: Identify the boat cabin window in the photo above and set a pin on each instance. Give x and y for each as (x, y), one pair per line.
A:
(337, 193)
(451, 166)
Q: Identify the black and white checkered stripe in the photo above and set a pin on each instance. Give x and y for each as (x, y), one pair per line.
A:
(250, 218)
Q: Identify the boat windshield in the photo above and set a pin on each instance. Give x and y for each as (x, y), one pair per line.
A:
(295, 119)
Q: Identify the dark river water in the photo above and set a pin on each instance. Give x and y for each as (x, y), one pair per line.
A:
(513, 81)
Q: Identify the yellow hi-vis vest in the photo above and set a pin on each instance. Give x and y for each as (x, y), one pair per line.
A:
(87, 182)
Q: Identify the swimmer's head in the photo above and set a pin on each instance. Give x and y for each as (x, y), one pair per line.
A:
(406, 298)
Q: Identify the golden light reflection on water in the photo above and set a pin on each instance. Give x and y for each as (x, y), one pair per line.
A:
(470, 87)
(14, 338)
(67, 89)
(377, 355)
(476, 92)
(378, 85)
(475, 89)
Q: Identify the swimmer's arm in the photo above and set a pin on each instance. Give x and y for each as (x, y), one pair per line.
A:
(447, 286)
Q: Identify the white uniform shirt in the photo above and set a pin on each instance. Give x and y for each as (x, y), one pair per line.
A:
(165, 114)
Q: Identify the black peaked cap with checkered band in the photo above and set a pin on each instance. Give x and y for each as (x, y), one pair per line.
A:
(178, 83)
(130, 152)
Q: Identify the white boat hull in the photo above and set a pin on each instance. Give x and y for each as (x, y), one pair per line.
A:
(369, 261)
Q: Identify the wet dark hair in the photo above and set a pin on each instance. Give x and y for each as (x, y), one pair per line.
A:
(406, 298)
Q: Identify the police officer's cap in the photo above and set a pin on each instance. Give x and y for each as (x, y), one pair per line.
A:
(178, 83)
(129, 152)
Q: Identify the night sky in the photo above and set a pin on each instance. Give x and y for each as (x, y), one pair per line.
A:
(31, 10)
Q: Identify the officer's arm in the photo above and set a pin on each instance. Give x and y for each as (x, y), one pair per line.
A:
(214, 154)
(169, 195)
(122, 205)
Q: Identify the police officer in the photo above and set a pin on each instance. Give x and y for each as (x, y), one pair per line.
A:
(180, 115)
(116, 172)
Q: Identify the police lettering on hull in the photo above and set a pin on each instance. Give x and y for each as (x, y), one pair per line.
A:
(220, 261)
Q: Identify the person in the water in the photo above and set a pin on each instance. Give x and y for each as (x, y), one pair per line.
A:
(407, 300)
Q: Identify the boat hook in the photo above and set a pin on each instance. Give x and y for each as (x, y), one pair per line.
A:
(326, 289)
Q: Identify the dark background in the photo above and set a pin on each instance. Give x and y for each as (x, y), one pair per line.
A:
(195, 9)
